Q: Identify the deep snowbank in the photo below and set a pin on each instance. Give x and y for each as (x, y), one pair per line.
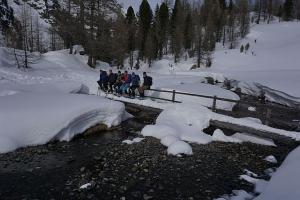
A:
(284, 184)
(181, 124)
(34, 119)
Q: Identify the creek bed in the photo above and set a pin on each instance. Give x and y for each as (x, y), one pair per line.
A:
(138, 171)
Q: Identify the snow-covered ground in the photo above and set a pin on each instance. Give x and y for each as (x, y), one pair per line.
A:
(42, 103)
(273, 67)
(50, 100)
(37, 118)
(284, 184)
(275, 63)
(181, 124)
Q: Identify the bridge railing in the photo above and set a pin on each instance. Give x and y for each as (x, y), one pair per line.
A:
(214, 107)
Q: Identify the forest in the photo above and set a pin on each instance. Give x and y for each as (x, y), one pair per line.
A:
(179, 28)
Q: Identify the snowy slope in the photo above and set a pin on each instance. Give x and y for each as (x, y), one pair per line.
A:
(276, 60)
(136, 4)
(273, 67)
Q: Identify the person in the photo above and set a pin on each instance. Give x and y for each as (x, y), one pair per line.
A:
(146, 84)
(126, 81)
(103, 81)
(112, 78)
(118, 83)
(135, 84)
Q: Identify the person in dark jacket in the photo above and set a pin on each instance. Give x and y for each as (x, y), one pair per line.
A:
(118, 83)
(135, 84)
(103, 81)
(112, 78)
(146, 84)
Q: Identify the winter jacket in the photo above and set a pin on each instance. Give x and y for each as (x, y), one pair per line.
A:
(136, 80)
(103, 77)
(147, 81)
(126, 78)
(112, 78)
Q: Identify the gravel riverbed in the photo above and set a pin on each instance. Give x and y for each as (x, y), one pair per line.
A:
(139, 171)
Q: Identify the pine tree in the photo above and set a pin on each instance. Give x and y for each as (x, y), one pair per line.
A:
(188, 32)
(177, 30)
(258, 10)
(244, 18)
(145, 20)
(131, 30)
(288, 8)
(164, 23)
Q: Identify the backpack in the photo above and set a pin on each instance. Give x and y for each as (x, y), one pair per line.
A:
(150, 81)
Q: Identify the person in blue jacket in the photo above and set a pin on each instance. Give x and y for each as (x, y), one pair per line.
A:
(103, 81)
(135, 84)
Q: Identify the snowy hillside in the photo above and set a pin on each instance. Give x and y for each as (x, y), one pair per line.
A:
(136, 3)
(273, 66)
(275, 62)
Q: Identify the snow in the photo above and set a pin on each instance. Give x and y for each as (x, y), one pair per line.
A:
(218, 135)
(198, 88)
(260, 184)
(237, 195)
(284, 184)
(180, 147)
(253, 139)
(249, 173)
(275, 64)
(179, 123)
(271, 159)
(136, 4)
(35, 119)
(135, 140)
(274, 68)
(85, 186)
(186, 122)
(252, 109)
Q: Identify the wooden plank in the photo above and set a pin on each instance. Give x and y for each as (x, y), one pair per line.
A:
(250, 130)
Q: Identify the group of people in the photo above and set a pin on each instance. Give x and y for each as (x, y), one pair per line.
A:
(124, 83)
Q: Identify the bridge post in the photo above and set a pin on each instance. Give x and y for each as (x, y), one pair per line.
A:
(173, 96)
(268, 116)
(214, 106)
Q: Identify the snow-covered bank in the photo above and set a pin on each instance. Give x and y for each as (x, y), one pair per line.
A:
(34, 119)
(284, 184)
(181, 124)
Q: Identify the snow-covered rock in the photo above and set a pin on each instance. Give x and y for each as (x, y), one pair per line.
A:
(271, 159)
(135, 140)
(253, 139)
(218, 135)
(180, 123)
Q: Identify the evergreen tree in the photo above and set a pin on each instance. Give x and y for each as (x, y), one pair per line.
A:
(288, 8)
(244, 18)
(163, 25)
(177, 22)
(145, 20)
(131, 31)
(188, 32)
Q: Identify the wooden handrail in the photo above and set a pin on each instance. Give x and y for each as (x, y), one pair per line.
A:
(217, 98)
